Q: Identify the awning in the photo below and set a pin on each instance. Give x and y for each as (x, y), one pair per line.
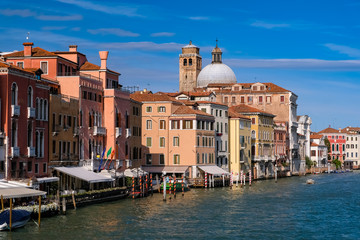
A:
(47, 179)
(20, 192)
(11, 184)
(167, 169)
(133, 172)
(175, 169)
(213, 169)
(83, 174)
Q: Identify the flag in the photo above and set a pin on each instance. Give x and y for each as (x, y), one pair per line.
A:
(111, 158)
(107, 157)
(102, 156)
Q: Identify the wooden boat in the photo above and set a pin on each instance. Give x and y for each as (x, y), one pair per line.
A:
(18, 219)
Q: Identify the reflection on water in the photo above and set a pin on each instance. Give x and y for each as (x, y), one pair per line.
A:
(267, 210)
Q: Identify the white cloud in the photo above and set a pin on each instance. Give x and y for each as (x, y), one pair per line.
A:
(75, 17)
(117, 10)
(51, 28)
(113, 31)
(17, 12)
(268, 25)
(351, 52)
(163, 34)
(199, 18)
(304, 64)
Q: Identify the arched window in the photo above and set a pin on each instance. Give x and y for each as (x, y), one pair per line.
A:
(37, 108)
(253, 134)
(185, 62)
(30, 97)
(37, 144)
(343, 147)
(29, 135)
(337, 147)
(90, 120)
(14, 94)
(41, 142)
(45, 109)
(190, 62)
(41, 109)
(333, 147)
(14, 134)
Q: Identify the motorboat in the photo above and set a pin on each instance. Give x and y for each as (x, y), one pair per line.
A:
(18, 219)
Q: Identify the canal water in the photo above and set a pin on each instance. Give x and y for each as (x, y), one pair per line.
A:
(288, 209)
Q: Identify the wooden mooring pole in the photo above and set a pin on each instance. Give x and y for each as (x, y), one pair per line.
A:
(164, 188)
(10, 216)
(39, 217)
(2, 203)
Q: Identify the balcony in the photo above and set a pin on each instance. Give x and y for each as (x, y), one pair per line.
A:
(15, 152)
(15, 110)
(118, 132)
(30, 112)
(128, 132)
(99, 131)
(31, 151)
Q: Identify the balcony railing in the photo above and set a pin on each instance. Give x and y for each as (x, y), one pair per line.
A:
(30, 112)
(15, 152)
(76, 131)
(101, 131)
(69, 74)
(56, 129)
(118, 132)
(128, 132)
(31, 151)
(15, 110)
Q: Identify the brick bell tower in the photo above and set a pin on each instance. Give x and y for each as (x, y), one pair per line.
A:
(190, 64)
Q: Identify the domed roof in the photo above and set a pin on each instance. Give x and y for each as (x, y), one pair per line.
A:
(215, 73)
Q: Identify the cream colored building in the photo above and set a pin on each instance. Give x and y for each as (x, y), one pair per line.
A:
(240, 143)
(262, 143)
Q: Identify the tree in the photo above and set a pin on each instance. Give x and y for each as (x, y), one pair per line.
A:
(308, 162)
(337, 163)
(328, 145)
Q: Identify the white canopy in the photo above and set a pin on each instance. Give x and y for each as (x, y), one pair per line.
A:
(167, 169)
(134, 172)
(213, 169)
(20, 192)
(84, 174)
(47, 179)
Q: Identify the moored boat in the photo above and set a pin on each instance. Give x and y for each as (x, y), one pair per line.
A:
(18, 219)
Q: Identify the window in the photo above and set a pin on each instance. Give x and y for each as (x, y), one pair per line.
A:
(187, 124)
(44, 67)
(30, 97)
(161, 109)
(36, 168)
(14, 94)
(253, 121)
(148, 109)
(185, 62)
(53, 146)
(176, 159)
(282, 99)
(242, 99)
(29, 166)
(190, 62)
(162, 124)
(84, 94)
(161, 159)
(29, 134)
(148, 141)
(260, 99)
(176, 141)
(250, 99)
(268, 99)
(254, 88)
(175, 124)
(148, 159)
(148, 124)
(44, 168)
(162, 142)
(226, 99)
(197, 158)
(20, 64)
(233, 99)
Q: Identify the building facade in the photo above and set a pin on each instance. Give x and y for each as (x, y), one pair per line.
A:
(318, 150)
(337, 140)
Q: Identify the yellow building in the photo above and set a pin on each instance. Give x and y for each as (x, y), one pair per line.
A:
(240, 143)
(64, 131)
(262, 140)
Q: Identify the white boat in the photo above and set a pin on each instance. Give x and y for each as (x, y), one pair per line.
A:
(310, 181)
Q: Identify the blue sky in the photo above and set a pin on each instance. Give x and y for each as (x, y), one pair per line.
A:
(309, 47)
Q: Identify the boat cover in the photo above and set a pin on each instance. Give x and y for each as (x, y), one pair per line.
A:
(214, 170)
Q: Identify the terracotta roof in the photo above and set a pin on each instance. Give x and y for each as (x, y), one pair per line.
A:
(151, 97)
(35, 52)
(89, 66)
(233, 114)
(188, 103)
(351, 130)
(242, 108)
(314, 144)
(207, 102)
(187, 110)
(6, 65)
(270, 87)
(330, 130)
(316, 136)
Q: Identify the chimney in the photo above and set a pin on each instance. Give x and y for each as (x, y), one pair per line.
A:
(103, 58)
(73, 48)
(27, 48)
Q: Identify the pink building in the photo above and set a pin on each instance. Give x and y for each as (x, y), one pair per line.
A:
(24, 121)
(337, 139)
(280, 143)
(104, 106)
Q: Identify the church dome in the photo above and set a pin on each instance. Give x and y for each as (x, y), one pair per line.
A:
(215, 73)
